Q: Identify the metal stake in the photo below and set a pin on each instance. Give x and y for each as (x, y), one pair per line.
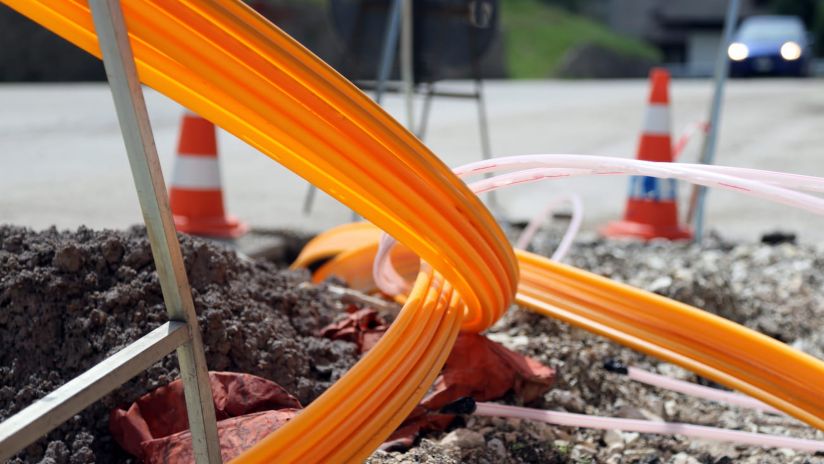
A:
(425, 110)
(390, 43)
(154, 203)
(398, 23)
(698, 197)
(486, 145)
(407, 66)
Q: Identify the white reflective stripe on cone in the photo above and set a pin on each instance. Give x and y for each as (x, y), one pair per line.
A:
(196, 172)
(657, 120)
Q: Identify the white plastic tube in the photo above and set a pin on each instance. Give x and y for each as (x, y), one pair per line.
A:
(531, 168)
(644, 426)
(384, 274)
(783, 179)
(571, 165)
(700, 391)
(572, 229)
(772, 186)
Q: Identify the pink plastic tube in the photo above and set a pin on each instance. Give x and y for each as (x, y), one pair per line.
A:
(767, 185)
(384, 274)
(782, 179)
(531, 168)
(700, 391)
(756, 189)
(602, 165)
(643, 426)
(542, 217)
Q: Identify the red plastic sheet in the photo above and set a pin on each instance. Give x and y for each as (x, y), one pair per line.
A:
(477, 368)
(155, 427)
(363, 327)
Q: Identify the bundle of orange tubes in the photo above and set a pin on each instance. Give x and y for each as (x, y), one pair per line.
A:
(225, 62)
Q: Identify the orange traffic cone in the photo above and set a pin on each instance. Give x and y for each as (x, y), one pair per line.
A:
(652, 210)
(195, 193)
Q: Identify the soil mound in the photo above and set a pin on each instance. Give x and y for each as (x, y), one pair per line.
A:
(70, 299)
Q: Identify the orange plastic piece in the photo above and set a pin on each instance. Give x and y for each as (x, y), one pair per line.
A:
(347, 237)
(711, 346)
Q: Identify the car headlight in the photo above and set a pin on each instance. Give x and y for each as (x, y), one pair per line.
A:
(790, 51)
(738, 51)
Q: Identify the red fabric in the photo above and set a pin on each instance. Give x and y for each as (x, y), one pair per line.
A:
(477, 367)
(485, 370)
(363, 327)
(236, 434)
(162, 413)
(155, 427)
(481, 369)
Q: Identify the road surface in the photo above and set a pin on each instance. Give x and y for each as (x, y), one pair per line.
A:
(64, 164)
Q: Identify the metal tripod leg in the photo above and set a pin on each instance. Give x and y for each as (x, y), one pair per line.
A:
(427, 108)
(390, 45)
(695, 213)
(486, 145)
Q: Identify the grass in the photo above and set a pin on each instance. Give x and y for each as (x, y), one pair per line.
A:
(537, 36)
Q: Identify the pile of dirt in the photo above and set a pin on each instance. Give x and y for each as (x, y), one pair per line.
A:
(70, 299)
(778, 290)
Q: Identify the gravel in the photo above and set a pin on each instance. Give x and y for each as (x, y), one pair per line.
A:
(778, 290)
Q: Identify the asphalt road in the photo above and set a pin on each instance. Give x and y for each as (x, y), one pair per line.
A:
(63, 161)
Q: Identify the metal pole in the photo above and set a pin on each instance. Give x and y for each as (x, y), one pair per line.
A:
(154, 202)
(390, 43)
(427, 107)
(483, 126)
(309, 199)
(407, 70)
(698, 197)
